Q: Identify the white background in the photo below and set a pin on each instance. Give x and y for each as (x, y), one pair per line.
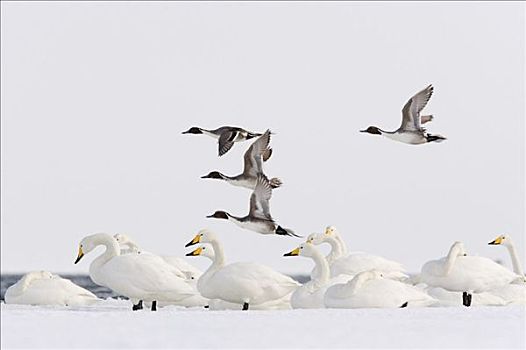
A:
(95, 97)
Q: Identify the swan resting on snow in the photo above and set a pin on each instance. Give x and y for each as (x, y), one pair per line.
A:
(310, 295)
(218, 304)
(137, 276)
(351, 264)
(44, 288)
(459, 272)
(514, 293)
(128, 245)
(242, 283)
(369, 289)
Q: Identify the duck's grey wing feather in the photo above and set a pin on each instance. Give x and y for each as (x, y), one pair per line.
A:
(267, 154)
(255, 155)
(226, 141)
(425, 119)
(413, 107)
(259, 200)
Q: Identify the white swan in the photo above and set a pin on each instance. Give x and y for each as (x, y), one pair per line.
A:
(353, 263)
(138, 276)
(310, 295)
(218, 304)
(514, 293)
(461, 273)
(128, 245)
(44, 288)
(369, 289)
(242, 283)
(506, 241)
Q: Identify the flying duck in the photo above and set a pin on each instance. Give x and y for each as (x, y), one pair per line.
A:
(259, 218)
(256, 154)
(226, 136)
(411, 131)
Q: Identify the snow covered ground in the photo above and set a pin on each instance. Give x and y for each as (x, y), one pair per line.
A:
(111, 324)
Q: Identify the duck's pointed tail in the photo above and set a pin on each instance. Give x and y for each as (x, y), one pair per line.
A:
(286, 232)
(275, 182)
(435, 138)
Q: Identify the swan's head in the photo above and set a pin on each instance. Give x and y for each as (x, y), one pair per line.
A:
(501, 240)
(213, 175)
(90, 242)
(203, 250)
(38, 275)
(375, 274)
(86, 245)
(203, 236)
(315, 238)
(372, 130)
(331, 231)
(458, 249)
(121, 238)
(125, 241)
(304, 249)
(219, 215)
(193, 130)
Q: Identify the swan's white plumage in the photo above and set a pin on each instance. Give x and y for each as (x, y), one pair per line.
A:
(463, 273)
(354, 262)
(128, 245)
(44, 288)
(241, 282)
(310, 295)
(138, 276)
(370, 290)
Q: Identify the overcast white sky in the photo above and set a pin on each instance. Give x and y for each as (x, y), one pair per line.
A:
(95, 96)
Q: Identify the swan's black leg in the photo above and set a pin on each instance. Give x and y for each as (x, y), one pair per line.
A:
(404, 305)
(245, 306)
(138, 306)
(154, 305)
(466, 299)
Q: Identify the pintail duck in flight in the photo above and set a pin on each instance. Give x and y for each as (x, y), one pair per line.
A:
(226, 136)
(256, 154)
(411, 131)
(259, 218)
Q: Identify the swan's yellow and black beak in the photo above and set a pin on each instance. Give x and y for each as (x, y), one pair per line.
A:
(496, 241)
(79, 255)
(196, 240)
(196, 252)
(295, 252)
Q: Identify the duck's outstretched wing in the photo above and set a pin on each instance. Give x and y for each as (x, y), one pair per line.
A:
(411, 111)
(256, 154)
(260, 198)
(226, 141)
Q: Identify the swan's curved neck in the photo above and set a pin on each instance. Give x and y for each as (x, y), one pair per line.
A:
(218, 261)
(322, 266)
(112, 250)
(517, 266)
(450, 261)
(336, 249)
(343, 245)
